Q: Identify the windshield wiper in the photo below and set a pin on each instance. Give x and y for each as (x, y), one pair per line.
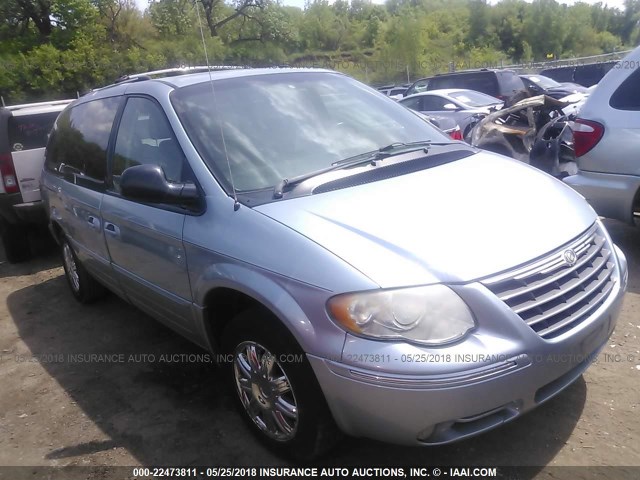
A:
(398, 148)
(387, 151)
(348, 162)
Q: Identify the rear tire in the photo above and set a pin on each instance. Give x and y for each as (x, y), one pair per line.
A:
(16, 242)
(280, 400)
(84, 287)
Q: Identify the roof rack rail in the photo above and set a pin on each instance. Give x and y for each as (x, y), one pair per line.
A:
(167, 72)
(131, 79)
(38, 104)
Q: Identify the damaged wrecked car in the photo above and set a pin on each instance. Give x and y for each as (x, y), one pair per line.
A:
(535, 130)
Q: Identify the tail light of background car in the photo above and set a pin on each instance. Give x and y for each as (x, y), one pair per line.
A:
(586, 135)
(455, 133)
(8, 173)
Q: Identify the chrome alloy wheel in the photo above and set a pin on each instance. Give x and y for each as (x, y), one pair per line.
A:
(265, 391)
(72, 269)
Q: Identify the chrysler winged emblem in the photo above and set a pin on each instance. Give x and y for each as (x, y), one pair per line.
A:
(570, 257)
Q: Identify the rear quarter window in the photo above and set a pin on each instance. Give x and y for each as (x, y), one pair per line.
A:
(27, 132)
(627, 95)
(80, 138)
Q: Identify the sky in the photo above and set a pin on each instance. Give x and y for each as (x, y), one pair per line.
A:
(142, 4)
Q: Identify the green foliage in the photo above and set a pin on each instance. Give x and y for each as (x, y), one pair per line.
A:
(55, 48)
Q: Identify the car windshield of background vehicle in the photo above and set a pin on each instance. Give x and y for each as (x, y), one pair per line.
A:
(474, 99)
(283, 125)
(544, 82)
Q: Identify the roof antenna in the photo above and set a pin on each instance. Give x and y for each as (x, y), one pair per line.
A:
(236, 204)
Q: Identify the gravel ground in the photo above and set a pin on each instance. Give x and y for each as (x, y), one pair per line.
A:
(56, 409)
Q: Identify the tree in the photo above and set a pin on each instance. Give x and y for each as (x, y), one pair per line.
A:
(37, 11)
(478, 22)
(217, 14)
(125, 26)
(172, 17)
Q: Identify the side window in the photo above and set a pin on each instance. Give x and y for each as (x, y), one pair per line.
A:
(413, 103)
(80, 139)
(434, 104)
(438, 83)
(145, 138)
(627, 95)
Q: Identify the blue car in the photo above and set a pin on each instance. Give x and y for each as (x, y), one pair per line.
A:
(353, 268)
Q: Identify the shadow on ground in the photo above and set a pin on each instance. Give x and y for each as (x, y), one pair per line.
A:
(628, 239)
(180, 413)
(45, 255)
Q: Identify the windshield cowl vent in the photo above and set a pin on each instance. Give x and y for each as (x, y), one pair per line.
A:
(394, 170)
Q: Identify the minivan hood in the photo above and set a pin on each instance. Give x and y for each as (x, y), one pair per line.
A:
(456, 222)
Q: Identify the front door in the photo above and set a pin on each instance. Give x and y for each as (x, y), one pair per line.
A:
(144, 240)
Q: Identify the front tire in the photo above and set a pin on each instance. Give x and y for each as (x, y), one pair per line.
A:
(279, 399)
(84, 287)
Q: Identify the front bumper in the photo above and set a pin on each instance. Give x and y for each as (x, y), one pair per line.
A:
(609, 194)
(404, 394)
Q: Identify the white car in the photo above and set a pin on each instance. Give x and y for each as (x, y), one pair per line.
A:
(24, 130)
(576, 101)
(607, 143)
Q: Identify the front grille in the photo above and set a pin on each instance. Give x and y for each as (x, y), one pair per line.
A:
(553, 297)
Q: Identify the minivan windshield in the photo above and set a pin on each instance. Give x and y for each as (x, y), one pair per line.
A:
(287, 124)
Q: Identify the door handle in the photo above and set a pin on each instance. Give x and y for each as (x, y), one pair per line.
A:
(111, 229)
(93, 222)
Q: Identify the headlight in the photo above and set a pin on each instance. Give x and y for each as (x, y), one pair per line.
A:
(429, 315)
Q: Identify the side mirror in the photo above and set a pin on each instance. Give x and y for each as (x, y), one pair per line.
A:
(147, 183)
(451, 106)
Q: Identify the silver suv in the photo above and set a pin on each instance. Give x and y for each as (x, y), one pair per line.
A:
(23, 136)
(607, 143)
(355, 269)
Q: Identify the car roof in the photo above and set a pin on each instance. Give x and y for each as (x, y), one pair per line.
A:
(188, 79)
(448, 91)
(192, 79)
(439, 92)
(36, 108)
(477, 70)
(529, 75)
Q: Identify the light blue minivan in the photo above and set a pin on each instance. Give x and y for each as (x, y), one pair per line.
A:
(362, 272)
